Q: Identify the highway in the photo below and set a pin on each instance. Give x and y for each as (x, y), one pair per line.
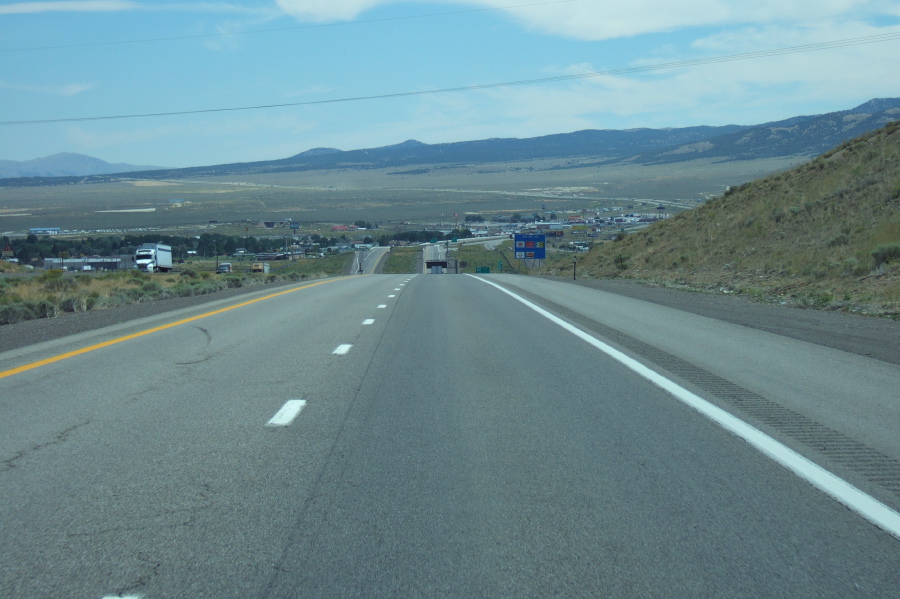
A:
(365, 261)
(450, 436)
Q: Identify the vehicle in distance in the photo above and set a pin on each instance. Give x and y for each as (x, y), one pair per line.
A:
(153, 257)
(224, 268)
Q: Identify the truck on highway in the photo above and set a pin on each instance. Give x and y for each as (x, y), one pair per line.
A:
(153, 257)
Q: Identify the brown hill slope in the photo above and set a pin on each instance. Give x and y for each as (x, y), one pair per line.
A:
(825, 235)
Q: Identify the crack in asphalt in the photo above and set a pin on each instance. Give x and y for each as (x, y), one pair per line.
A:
(60, 437)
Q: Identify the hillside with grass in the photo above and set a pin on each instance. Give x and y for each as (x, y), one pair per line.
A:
(825, 234)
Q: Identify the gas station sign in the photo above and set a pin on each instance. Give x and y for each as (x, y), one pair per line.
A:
(530, 247)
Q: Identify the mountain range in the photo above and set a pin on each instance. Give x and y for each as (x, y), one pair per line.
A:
(806, 136)
(65, 164)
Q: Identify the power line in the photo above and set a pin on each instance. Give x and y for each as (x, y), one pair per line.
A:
(292, 28)
(872, 39)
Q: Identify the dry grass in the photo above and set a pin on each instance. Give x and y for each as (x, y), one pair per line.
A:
(803, 237)
(47, 294)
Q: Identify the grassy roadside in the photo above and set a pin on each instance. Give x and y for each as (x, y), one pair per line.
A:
(478, 256)
(401, 260)
(824, 235)
(404, 260)
(50, 293)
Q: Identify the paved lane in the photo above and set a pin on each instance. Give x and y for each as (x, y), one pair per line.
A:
(460, 446)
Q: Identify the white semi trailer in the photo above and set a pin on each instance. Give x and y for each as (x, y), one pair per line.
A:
(153, 257)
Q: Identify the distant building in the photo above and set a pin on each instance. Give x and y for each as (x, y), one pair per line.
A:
(92, 263)
(274, 224)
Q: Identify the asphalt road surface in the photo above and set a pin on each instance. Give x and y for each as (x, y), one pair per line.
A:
(367, 261)
(434, 435)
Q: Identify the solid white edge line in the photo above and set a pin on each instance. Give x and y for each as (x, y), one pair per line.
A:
(369, 321)
(863, 504)
(288, 412)
(342, 349)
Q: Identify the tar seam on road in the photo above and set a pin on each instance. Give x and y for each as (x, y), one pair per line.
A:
(84, 350)
(863, 504)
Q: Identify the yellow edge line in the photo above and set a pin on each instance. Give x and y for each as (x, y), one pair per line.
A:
(91, 348)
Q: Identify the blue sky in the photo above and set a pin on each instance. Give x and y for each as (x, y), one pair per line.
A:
(80, 59)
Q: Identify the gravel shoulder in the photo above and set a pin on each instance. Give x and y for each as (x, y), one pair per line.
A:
(877, 338)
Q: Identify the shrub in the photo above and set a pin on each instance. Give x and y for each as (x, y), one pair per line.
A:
(886, 254)
(12, 313)
(152, 288)
(53, 273)
(76, 303)
(842, 239)
(60, 284)
(44, 309)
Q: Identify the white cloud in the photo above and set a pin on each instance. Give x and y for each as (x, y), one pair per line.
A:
(743, 92)
(72, 6)
(608, 19)
(127, 5)
(69, 89)
(73, 89)
(327, 10)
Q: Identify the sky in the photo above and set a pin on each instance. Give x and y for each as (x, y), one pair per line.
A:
(247, 80)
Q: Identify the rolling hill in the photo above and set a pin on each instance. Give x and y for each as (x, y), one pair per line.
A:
(65, 164)
(799, 136)
(804, 136)
(825, 234)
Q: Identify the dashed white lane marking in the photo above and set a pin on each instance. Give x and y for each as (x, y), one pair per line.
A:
(396, 289)
(392, 296)
(369, 321)
(342, 349)
(382, 306)
(863, 504)
(285, 416)
(123, 597)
